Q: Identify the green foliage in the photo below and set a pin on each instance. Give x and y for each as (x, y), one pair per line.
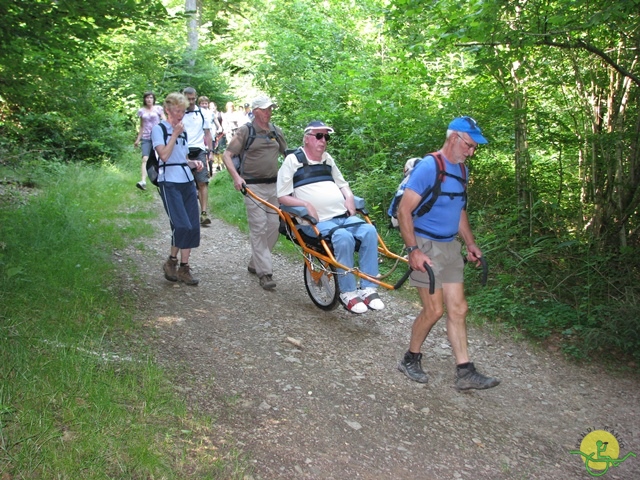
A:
(90, 135)
(75, 95)
(553, 198)
(554, 287)
(41, 39)
(226, 201)
(570, 76)
(79, 397)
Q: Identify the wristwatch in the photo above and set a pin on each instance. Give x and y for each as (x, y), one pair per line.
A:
(411, 248)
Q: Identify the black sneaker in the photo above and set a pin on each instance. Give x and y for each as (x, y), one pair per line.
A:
(468, 378)
(411, 366)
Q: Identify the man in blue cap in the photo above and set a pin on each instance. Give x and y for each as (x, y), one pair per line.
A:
(431, 238)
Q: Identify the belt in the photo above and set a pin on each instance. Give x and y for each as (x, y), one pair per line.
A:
(253, 181)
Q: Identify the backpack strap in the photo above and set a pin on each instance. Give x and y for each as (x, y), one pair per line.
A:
(247, 143)
(199, 110)
(161, 163)
(310, 173)
(165, 135)
(435, 190)
(273, 133)
(164, 132)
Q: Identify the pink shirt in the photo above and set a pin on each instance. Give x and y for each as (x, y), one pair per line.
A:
(150, 118)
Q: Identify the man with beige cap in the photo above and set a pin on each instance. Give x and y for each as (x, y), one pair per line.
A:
(256, 146)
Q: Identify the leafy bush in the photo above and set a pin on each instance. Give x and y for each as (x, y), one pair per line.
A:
(89, 136)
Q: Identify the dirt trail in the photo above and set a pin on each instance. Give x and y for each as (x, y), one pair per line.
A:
(337, 408)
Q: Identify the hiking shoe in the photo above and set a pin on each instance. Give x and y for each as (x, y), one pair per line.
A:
(184, 275)
(353, 302)
(141, 185)
(411, 366)
(371, 298)
(170, 269)
(251, 270)
(267, 282)
(468, 378)
(204, 219)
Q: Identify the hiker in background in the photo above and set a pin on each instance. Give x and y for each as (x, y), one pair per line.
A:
(217, 115)
(150, 115)
(210, 112)
(431, 239)
(177, 189)
(198, 128)
(219, 140)
(248, 114)
(320, 187)
(229, 121)
(258, 169)
(203, 103)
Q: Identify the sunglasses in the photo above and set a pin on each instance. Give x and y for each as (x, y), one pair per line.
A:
(320, 136)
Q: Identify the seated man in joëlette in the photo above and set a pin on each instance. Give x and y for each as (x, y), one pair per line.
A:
(327, 197)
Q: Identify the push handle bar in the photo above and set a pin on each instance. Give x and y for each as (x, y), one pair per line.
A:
(432, 279)
(485, 270)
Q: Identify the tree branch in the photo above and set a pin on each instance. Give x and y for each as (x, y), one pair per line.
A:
(579, 44)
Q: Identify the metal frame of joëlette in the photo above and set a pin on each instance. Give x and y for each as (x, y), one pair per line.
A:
(287, 213)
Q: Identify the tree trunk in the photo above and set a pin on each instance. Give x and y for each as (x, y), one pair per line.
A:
(522, 157)
(191, 12)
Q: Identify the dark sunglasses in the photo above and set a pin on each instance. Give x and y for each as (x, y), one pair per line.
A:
(319, 136)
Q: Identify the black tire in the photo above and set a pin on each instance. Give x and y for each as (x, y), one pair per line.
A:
(325, 293)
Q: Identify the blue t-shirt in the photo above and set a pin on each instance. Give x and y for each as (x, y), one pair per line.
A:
(178, 156)
(443, 219)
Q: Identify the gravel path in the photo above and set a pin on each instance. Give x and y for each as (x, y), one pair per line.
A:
(337, 408)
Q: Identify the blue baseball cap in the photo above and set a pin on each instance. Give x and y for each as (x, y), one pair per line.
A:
(469, 126)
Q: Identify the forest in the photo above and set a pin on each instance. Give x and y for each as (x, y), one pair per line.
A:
(554, 198)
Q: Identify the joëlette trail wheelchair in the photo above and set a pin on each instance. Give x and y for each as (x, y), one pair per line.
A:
(321, 269)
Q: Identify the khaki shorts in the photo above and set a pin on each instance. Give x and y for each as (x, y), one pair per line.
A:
(448, 264)
(201, 176)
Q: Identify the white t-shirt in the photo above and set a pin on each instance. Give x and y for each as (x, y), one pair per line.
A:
(195, 123)
(325, 196)
(178, 156)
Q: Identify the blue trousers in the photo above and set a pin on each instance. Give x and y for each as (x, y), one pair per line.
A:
(181, 204)
(344, 243)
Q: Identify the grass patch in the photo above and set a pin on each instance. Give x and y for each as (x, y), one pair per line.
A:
(79, 396)
(226, 202)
